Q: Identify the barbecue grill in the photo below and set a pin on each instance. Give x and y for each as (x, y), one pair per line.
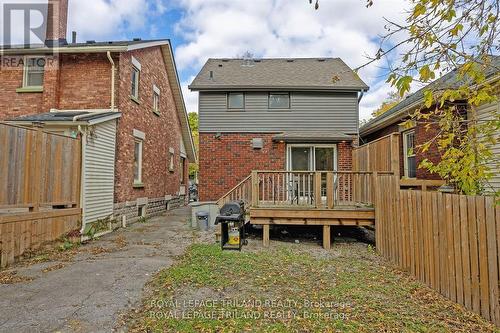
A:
(232, 221)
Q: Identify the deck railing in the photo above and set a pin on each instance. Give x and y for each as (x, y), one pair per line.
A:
(321, 189)
(242, 191)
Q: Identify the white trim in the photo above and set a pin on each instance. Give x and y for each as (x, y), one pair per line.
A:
(156, 89)
(312, 147)
(405, 150)
(26, 71)
(171, 150)
(139, 135)
(139, 171)
(136, 63)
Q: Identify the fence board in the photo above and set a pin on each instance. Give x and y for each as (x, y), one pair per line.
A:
(450, 242)
(36, 169)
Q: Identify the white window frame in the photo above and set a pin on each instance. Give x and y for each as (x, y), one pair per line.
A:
(171, 164)
(278, 108)
(228, 99)
(156, 99)
(138, 181)
(26, 72)
(136, 67)
(405, 151)
(312, 163)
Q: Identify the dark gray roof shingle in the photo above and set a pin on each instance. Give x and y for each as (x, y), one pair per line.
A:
(299, 73)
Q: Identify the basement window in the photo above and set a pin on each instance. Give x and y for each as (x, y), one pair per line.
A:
(33, 72)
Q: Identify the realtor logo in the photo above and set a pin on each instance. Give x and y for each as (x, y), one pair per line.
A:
(24, 24)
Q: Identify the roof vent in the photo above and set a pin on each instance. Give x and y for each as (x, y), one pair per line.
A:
(91, 42)
(321, 60)
(225, 60)
(211, 75)
(137, 39)
(289, 60)
(257, 60)
(220, 65)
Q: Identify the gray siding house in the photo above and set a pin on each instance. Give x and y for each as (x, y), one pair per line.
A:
(277, 114)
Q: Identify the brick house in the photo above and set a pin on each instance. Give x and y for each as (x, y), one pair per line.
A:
(123, 98)
(274, 114)
(396, 119)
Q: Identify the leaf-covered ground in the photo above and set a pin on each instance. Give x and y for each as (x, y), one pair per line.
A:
(295, 288)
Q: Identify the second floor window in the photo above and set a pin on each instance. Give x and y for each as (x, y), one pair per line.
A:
(279, 101)
(135, 82)
(33, 72)
(235, 101)
(156, 100)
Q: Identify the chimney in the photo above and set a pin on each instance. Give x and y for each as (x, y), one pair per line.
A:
(57, 23)
(73, 38)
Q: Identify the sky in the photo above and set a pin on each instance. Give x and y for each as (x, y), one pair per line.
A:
(200, 29)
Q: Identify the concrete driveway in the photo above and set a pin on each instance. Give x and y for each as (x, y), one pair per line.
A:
(88, 288)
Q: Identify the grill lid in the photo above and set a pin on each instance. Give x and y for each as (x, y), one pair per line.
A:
(233, 208)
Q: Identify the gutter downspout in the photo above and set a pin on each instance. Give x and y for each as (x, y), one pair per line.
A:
(113, 68)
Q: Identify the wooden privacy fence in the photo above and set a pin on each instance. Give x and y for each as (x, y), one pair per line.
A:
(39, 189)
(450, 242)
(380, 155)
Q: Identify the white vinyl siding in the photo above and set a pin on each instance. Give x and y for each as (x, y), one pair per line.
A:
(485, 112)
(309, 111)
(99, 172)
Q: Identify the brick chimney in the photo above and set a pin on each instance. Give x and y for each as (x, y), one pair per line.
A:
(57, 23)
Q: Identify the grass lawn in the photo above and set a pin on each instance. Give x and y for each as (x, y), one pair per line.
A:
(295, 288)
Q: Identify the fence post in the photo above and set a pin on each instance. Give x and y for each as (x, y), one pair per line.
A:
(317, 189)
(255, 189)
(395, 154)
(329, 190)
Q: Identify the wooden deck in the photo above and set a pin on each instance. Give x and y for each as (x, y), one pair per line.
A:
(313, 217)
(338, 198)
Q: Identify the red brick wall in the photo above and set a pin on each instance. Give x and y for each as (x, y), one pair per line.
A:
(226, 161)
(83, 81)
(162, 132)
(80, 81)
(421, 136)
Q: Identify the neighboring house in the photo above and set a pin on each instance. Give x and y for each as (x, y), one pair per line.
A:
(274, 114)
(395, 121)
(124, 99)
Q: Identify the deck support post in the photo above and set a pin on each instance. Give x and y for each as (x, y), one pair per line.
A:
(326, 237)
(265, 235)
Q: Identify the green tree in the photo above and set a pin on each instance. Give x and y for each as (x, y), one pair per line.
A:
(193, 124)
(438, 37)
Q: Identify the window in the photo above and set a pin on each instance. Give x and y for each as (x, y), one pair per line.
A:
(409, 154)
(156, 100)
(135, 83)
(33, 72)
(235, 101)
(137, 162)
(171, 160)
(182, 168)
(279, 101)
